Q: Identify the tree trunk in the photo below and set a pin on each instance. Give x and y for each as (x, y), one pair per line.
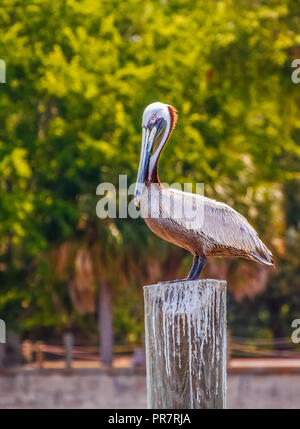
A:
(274, 306)
(105, 323)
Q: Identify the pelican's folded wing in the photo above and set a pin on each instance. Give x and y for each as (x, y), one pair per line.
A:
(217, 223)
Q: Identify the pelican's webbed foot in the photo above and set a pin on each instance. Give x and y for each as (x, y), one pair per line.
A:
(172, 281)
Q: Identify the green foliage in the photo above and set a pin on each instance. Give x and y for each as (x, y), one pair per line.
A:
(79, 74)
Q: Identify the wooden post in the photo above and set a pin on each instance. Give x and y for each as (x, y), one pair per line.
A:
(27, 350)
(185, 327)
(39, 354)
(2, 354)
(69, 342)
(105, 324)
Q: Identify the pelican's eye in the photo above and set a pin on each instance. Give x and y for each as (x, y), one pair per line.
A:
(152, 119)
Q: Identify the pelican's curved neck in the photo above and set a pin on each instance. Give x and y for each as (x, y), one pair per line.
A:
(152, 176)
(152, 173)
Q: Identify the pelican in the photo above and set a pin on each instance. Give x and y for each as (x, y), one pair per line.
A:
(219, 229)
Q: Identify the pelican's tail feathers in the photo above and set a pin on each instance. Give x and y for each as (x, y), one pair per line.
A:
(263, 260)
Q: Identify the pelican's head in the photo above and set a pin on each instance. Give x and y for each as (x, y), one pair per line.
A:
(159, 120)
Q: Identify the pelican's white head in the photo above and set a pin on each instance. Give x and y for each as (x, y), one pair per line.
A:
(159, 120)
(155, 111)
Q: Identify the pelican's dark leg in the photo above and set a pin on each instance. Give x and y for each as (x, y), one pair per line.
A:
(194, 267)
(197, 267)
(200, 265)
(193, 270)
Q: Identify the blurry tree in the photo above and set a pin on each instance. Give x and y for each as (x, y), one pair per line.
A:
(79, 74)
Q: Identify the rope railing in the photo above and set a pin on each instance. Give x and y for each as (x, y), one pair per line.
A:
(264, 341)
(262, 352)
(264, 347)
(238, 347)
(89, 353)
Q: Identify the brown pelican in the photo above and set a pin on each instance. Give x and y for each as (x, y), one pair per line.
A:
(222, 231)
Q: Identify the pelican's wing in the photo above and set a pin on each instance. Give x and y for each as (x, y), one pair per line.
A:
(221, 225)
(228, 227)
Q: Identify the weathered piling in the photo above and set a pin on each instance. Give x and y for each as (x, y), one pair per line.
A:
(69, 343)
(185, 328)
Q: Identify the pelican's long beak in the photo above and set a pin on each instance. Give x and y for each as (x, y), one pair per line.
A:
(147, 140)
(152, 136)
